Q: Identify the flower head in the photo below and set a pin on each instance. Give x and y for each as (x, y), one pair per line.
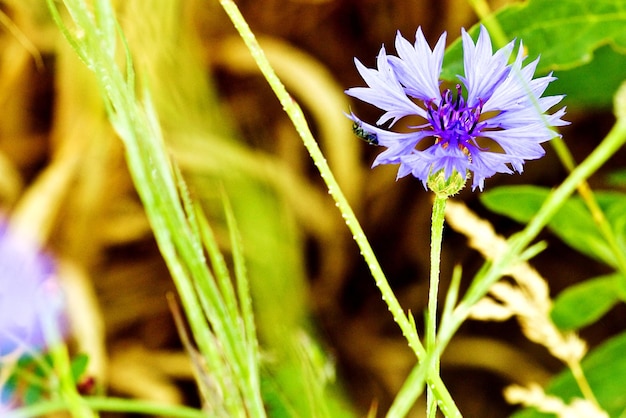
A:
(491, 122)
(30, 296)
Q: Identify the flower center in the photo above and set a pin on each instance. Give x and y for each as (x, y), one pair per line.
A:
(453, 122)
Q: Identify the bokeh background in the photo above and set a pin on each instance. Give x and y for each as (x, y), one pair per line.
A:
(63, 175)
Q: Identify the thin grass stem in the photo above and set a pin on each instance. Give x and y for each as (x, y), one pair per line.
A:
(297, 117)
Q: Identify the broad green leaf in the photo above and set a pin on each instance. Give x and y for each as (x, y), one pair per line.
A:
(592, 85)
(517, 202)
(605, 369)
(572, 223)
(584, 303)
(565, 33)
(614, 206)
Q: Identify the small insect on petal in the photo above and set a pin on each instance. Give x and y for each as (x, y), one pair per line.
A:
(369, 137)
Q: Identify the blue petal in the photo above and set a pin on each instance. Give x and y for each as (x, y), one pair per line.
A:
(434, 159)
(485, 165)
(417, 67)
(384, 91)
(30, 295)
(483, 71)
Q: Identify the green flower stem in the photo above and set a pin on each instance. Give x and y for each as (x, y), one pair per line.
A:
(439, 207)
(297, 117)
(109, 404)
(436, 237)
(585, 192)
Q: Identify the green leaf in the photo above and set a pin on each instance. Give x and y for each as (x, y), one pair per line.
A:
(584, 303)
(614, 206)
(33, 394)
(79, 366)
(572, 223)
(605, 369)
(565, 33)
(602, 77)
(517, 202)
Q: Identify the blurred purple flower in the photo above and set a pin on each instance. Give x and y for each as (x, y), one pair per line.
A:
(31, 299)
(490, 123)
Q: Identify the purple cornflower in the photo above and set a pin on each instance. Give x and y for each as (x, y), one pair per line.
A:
(491, 122)
(31, 300)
